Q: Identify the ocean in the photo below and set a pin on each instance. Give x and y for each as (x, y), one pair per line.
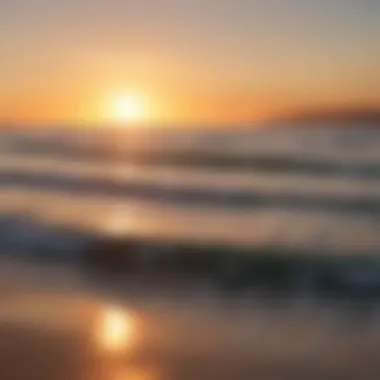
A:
(310, 191)
(305, 189)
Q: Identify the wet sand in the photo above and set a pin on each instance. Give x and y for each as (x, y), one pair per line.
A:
(56, 328)
(30, 353)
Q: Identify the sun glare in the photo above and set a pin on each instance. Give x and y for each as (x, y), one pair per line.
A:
(129, 109)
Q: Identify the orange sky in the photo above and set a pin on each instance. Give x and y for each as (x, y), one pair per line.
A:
(197, 62)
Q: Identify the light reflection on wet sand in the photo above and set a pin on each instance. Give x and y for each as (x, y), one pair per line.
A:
(52, 332)
(115, 330)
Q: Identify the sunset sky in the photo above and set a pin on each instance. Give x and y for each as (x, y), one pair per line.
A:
(193, 61)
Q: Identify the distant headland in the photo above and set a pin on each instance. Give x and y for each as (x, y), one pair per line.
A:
(340, 117)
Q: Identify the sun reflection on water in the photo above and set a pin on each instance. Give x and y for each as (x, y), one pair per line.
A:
(120, 223)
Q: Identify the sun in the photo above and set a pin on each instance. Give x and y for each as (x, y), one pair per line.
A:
(130, 108)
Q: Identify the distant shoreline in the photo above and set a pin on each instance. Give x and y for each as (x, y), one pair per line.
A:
(332, 118)
(318, 118)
